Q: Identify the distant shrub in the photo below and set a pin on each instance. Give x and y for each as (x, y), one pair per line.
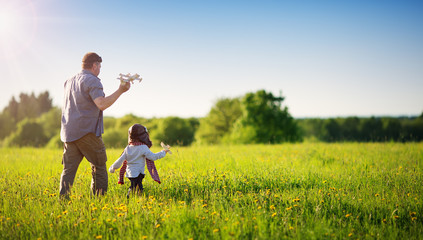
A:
(28, 133)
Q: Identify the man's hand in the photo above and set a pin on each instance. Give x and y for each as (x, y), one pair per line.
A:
(104, 102)
(124, 87)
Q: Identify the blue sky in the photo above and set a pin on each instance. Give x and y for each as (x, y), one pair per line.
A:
(329, 58)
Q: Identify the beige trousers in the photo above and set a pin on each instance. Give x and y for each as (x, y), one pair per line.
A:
(92, 148)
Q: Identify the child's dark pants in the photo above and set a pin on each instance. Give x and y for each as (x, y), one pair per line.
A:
(136, 184)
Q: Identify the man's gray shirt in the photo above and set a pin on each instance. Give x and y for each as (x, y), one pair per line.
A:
(80, 115)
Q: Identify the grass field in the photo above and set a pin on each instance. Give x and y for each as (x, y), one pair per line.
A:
(293, 191)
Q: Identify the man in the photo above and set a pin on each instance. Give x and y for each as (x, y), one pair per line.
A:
(82, 125)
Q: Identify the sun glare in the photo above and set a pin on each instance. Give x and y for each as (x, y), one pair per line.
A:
(17, 26)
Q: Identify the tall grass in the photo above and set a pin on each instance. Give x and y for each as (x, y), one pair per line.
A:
(294, 191)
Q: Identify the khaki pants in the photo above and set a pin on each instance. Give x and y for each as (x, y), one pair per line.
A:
(92, 148)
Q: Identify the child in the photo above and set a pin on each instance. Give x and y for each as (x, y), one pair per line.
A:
(136, 154)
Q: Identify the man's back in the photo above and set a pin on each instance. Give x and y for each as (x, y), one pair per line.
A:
(80, 115)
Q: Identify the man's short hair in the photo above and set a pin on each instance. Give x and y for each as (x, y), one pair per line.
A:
(89, 59)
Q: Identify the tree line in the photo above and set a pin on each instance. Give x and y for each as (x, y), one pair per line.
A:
(255, 118)
(372, 129)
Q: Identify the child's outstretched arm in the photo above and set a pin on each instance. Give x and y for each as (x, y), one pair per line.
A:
(154, 156)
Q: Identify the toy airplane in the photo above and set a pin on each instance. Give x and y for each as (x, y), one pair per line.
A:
(124, 78)
(166, 147)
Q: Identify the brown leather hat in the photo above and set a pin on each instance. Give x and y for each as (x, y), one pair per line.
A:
(139, 133)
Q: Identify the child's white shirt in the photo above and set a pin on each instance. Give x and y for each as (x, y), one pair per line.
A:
(135, 157)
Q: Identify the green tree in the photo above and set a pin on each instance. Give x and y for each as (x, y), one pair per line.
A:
(51, 122)
(128, 120)
(29, 106)
(28, 133)
(332, 130)
(219, 121)
(372, 130)
(173, 131)
(44, 102)
(264, 120)
(392, 129)
(350, 129)
(7, 125)
(115, 138)
(12, 109)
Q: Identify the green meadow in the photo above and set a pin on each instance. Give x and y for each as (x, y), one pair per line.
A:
(286, 191)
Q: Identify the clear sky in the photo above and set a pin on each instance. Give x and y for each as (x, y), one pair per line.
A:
(329, 58)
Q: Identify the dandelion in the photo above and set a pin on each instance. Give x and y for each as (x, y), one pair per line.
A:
(144, 237)
(158, 225)
(377, 195)
(288, 208)
(291, 228)
(348, 215)
(396, 216)
(185, 190)
(272, 207)
(216, 230)
(204, 205)
(274, 214)
(350, 235)
(99, 237)
(120, 214)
